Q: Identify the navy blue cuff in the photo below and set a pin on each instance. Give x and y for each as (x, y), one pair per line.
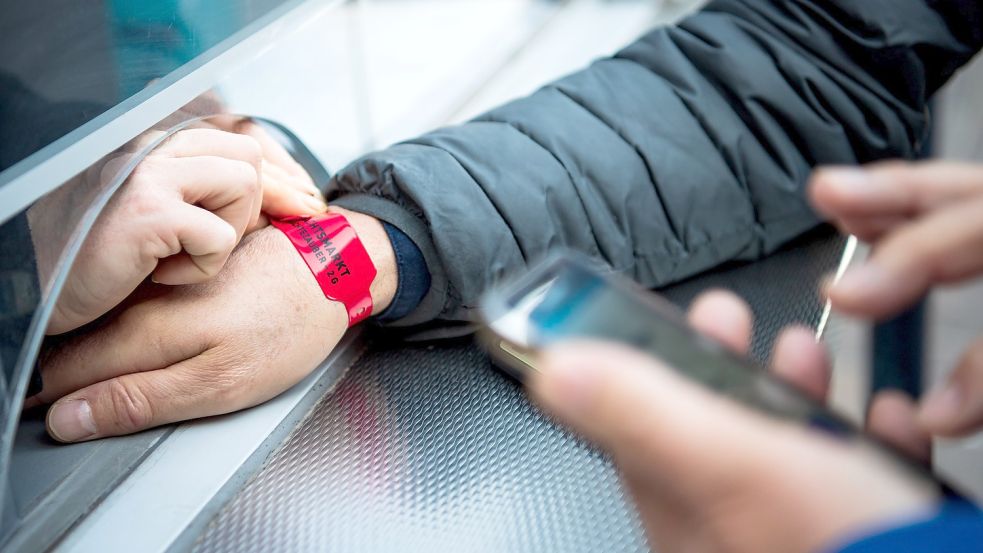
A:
(956, 528)
(413, 276)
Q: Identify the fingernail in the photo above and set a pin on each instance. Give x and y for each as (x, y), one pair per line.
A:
(865, 280)
(71, 420)
(315, 204)
(566, 385)
(942, 406)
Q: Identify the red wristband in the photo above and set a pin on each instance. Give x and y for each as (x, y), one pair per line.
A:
(335, 255)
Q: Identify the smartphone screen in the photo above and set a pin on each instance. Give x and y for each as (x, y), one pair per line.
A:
(568, 298)
(571, 300)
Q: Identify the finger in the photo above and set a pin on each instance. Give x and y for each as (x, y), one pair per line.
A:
(724, 317)
(206, 241)
(281, 200)
(942, 247)
(281, 172)
(205, 142)
(893, 416)
(136, 341)
(801, 361)
(869, 228)
(130, 403)
(635, 408)
(956, 407)
(893, 188)
(228, 188)
(272, 150)
(301, 185)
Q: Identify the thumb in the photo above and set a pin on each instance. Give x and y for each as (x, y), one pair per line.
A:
(640, 411)
(138, 401)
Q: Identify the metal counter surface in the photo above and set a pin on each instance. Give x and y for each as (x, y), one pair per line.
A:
(430, 448)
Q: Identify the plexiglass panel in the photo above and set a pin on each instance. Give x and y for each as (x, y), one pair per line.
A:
(46, 246)
(65, 62)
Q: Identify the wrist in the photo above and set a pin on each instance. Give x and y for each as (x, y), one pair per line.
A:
(376, 242)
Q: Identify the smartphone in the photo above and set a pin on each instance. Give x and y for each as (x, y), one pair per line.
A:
(570, 297)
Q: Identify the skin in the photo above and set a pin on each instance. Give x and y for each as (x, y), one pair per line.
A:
(925, 224)
(178, 216)
(176, 353)
(698, 488)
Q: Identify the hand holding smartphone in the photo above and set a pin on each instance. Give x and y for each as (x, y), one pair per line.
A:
(568, 298)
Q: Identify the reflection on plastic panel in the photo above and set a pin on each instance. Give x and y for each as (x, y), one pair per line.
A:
(38, 249)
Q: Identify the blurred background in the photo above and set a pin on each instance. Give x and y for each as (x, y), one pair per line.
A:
(403, 67)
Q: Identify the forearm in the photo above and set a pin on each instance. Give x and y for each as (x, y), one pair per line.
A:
(688, 149)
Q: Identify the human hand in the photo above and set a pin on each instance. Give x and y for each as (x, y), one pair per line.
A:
(925, 222)
(892, 415)
(287, 188)
(706, 473)
(178, 353)
(180, 214)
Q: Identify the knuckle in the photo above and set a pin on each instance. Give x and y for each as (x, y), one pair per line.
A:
(226, 388)
(144, 174)
(141, 193)
(226, 385)
(141, 203)
(129, 406)
(252, 150)
(176, 142)
(159, 245)
(248, 178)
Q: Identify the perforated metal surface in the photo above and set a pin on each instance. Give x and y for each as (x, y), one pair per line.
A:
(431, 449)
(428, 449)
(782, 289)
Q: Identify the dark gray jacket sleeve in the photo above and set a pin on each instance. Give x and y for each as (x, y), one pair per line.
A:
(688, 148)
